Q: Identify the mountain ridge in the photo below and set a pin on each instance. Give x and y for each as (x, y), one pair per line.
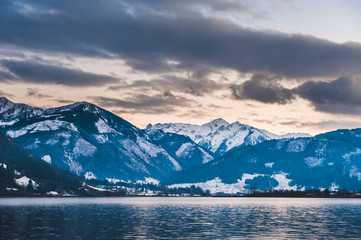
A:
(219, 136)
(88, 140)
(327, 161)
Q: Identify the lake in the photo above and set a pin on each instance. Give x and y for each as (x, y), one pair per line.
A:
(179, 217)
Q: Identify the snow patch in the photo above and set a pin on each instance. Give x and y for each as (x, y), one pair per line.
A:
(89, 175)
(3, 165)
(112, 180)
(216, 185)
(101, 138)
(7, 123)
(96, 188)
(269, 165)
(355, 172)
(297, 145)
(73, 165)
(103, 127)
(334, 187)
(148, 180)
(47, 125)
(24, 181)
(46, 158)
(283, 182)
(314, 162)
(347, 156)
(206, 156)
(84, 148)
(184, 149)
(52, 193)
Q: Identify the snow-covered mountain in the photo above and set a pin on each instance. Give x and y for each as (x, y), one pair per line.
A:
(11, 112)
(92, 142)
(219, 136)
(87, 140)
(331, 160)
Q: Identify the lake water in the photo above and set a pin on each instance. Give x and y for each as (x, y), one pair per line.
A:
(172, 218)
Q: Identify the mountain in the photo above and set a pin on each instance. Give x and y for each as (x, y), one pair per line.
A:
(87, 140)
(19, 168)
(219, 136)
(11, 112)
(331, 160)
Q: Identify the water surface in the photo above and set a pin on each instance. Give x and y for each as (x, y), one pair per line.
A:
(172, 218)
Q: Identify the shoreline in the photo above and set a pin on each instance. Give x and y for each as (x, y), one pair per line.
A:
(155, 196)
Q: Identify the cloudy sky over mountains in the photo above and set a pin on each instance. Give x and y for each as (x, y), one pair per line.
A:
(287, 66)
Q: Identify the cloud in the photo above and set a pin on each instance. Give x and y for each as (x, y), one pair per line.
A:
(342, 95)
(197, 84)
(148, 34)
(331, 124)
(6, 76)
(264, 89)
(344, 90)
(33, 92)
(64, 101)
(141, 103)
(36, 72)
(2, 93)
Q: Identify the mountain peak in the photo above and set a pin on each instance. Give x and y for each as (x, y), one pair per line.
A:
(86, 106)
(5, 104)
(4, 101)
(217, 123)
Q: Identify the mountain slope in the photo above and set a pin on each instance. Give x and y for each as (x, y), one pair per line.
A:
(181, 148)
(18, 167)
(331, 160)
(87, 140)
(219, 136)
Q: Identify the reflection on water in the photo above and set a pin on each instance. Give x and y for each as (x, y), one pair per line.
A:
(170, 218)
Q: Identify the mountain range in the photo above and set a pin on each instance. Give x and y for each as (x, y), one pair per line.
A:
(91, 142)
(219, 136)
(327, 161)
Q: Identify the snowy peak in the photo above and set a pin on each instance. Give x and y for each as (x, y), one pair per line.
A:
(78, 106)
(4, 101)
(219, 136)
(11, 112)
(5, 104)
(215, 124)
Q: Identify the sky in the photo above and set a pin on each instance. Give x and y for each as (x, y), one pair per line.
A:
(281, 65)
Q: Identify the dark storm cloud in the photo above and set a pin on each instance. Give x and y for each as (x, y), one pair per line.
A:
(342, 95)
(155, 104)
(4, 76)
(264, 89)
(345, 90)
(147, 34)
(41, 73)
